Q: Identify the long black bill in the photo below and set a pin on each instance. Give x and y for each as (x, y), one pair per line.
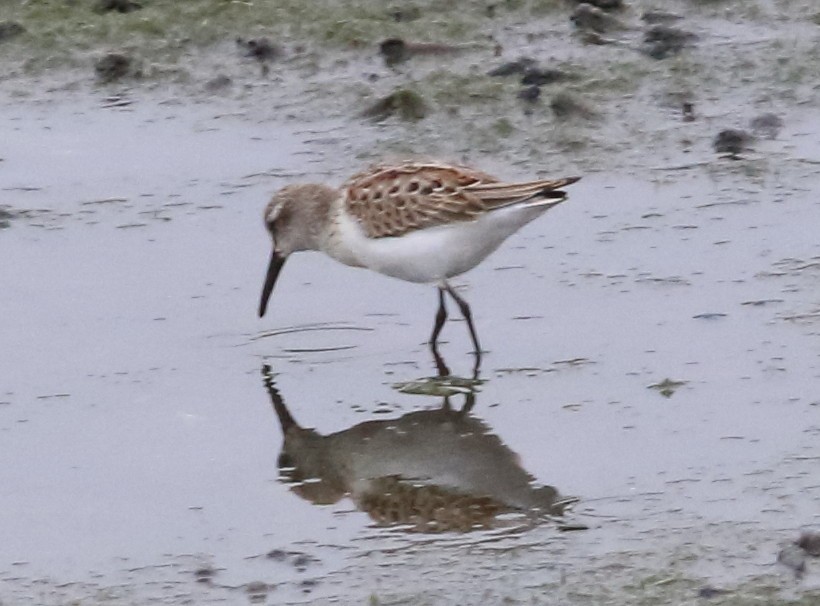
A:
(277, 261)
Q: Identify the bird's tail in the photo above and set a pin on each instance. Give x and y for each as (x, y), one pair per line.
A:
(496, 195)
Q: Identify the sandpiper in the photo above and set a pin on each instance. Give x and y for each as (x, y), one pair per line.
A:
(419, 222)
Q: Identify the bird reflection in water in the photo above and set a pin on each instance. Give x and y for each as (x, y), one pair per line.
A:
(427, 471)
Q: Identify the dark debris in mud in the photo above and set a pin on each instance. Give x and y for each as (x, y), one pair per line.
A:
(663, 41)
(113, 66)
(299, 560)
(589, 17)
(394, 51)
(10, 29)
(708, 592)
(397, 50)
(732, 141)
(531, 74)
(809, 542)
(261, 49)
(258, 591)
(541, 77)
(530, 94)
(404, 103)
(566, 105)
(118, 6)
(511, 68)
(655, 17)
(607, 5)
(205, 574)
(766, 126)
(5, 217)
(218, 83)
(667, 387)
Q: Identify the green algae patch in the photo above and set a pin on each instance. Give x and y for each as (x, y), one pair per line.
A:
(667, 387)
(159, 28)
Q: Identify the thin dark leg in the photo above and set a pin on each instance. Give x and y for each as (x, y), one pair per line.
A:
(441, 317)
(465, 311)
(441, 366)
(476, 365)
(469, 402)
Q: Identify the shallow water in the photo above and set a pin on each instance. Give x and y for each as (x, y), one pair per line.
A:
(141, 445)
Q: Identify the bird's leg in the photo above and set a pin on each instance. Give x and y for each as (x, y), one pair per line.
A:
(465, 311)
(441, 366)
(441, 317)
(469, 402)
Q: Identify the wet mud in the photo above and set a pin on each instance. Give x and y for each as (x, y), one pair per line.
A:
(644, 425)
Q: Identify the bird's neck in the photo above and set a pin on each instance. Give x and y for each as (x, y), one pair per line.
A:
(314, 212)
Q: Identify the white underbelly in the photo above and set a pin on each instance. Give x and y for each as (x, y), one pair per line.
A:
(428, 255)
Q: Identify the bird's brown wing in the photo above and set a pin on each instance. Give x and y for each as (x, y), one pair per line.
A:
(394, 200)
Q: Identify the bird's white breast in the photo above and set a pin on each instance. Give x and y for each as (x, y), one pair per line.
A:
(431, 254)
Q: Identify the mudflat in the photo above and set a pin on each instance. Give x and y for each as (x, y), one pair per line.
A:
(644, 426)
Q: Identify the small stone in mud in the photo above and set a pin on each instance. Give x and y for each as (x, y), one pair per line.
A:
(572, 527)
(204, 574)
(540, 77)
(394, 51)
(120, 6)
(710, 315)
(404, 103)
(586, 16)
(112, 66)
(662, 41)
(708, 592)
(809, 542)
(5, 216)
(766, 125)
(218, 83)
(276, 554)
(793, 557)
(653, 17)
(565, 105)
(260, 49)
(529, 94)
(258, 591)
(519, 66)
(731, 141)
(590, 37)
(10, 29)
(607, 5)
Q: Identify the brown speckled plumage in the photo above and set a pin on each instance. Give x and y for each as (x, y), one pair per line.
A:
(394, 200)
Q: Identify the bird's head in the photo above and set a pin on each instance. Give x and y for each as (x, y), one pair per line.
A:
(294, 219)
